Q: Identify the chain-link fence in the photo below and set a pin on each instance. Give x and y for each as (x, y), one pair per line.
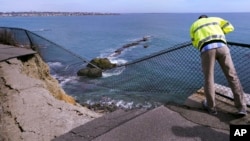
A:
(174, 73)
(49, 51)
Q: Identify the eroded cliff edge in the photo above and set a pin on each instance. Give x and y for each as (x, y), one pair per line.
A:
(32, 104)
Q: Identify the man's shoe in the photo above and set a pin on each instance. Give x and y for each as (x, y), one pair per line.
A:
(242, 112)
(210, 111)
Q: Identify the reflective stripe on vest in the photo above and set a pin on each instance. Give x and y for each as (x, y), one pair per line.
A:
(225, 25)
(209, 38)
(207, 24)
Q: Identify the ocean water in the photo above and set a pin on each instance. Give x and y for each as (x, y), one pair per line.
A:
(99, 36)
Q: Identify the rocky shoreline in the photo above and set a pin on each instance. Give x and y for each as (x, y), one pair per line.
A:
(33, 106)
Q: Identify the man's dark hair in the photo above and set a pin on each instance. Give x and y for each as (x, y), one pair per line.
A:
(202, 16)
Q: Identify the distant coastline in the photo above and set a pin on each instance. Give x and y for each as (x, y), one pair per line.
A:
(28, 14)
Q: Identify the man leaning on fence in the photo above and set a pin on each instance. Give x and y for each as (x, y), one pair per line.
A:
(208, 36)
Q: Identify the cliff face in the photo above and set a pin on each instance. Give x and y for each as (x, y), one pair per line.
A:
(35, 67)
(29, 105)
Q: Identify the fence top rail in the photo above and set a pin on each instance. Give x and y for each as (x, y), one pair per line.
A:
(176, 47)
(239, 44)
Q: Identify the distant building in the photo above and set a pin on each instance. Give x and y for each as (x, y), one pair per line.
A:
(25, 14)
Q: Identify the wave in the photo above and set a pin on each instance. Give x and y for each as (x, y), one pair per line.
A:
(63, 80)
(112, 72)
(56, 67)
(55, 64)
(122, 104)
(117, 61)
(113, 60)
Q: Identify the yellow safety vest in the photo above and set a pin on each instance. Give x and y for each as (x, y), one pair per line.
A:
(208, 29)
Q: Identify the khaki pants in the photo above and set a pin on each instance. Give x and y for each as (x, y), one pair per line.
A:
(222, 55)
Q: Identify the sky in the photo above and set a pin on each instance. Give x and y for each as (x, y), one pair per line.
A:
(126, 6)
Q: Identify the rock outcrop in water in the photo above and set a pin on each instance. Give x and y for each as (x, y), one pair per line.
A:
(134, 43)
(95, 67)
(33, 107)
